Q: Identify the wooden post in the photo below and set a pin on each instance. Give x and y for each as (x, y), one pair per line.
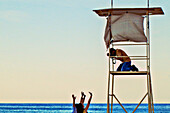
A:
(112, 94)
(108, 90)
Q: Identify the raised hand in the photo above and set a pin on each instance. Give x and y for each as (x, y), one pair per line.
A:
(73, 96)
(90, 94)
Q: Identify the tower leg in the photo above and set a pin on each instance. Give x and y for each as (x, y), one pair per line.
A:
(108, 101)
(150, 95)
(152, 104)
(112, 93)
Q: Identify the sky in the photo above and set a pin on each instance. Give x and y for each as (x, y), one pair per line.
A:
(51, 49)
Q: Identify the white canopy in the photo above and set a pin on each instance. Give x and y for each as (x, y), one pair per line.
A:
(126, 27)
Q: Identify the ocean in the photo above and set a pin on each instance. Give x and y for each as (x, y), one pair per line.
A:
(67, 108)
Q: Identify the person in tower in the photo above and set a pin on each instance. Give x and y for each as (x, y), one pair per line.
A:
(79, 108)
(126, 61)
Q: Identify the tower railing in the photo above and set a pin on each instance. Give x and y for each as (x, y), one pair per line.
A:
(113, 74)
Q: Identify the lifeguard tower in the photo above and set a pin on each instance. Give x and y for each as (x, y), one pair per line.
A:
(126, 25)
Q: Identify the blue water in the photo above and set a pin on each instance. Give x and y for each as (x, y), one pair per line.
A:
(67, 108)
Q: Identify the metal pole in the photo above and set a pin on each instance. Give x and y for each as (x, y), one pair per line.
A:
(112, 91)
(112, 84)
(111, 3)
(148, 63)
(148, 34)
(112, 94)
(108, 89)
(108, 95)
(152, 105)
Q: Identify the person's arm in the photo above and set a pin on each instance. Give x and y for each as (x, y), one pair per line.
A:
(119, 54)
(126, 58)
(74, 98)
(82, 98)
(88, 104)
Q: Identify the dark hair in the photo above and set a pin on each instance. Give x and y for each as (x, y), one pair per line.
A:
(111, 52)
(79, 108)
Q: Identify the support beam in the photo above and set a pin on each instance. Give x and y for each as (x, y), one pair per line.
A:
(140, 102)
(119, 102)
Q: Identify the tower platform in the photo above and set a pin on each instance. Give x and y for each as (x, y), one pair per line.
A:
(128, 72)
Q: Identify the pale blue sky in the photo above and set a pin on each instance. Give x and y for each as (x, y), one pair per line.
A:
(50, 49)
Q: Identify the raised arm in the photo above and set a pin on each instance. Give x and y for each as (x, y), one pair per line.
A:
(88, 104)
(74, 98)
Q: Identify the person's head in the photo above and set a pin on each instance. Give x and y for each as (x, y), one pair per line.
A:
(112, 52)
(80, 108)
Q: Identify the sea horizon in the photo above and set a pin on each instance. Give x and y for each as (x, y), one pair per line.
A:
(67, 107)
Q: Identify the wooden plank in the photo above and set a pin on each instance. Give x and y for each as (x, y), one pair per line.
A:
(120, 11)
(128, 72)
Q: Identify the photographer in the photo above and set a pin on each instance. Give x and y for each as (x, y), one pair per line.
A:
(125, 59)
